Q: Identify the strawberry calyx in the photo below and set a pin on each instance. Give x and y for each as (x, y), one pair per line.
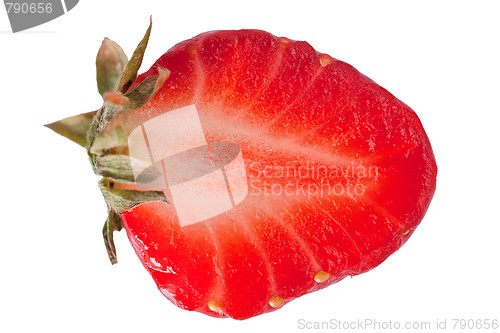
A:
(117, 201)
(106, 144)
(110, 62)
(113, 223)
(124, 199)
(74, 128)
(129, 74)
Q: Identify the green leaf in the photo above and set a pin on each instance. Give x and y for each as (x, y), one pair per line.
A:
(113, 223)
(117, 201)
(130, 72)
(74, 128)
(140, 94)
(110, 63)
(120, 200)
(116, 168)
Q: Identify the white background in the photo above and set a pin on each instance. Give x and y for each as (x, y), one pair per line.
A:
(440, 57)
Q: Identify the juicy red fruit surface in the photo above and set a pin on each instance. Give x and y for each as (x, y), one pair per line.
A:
(288, 108)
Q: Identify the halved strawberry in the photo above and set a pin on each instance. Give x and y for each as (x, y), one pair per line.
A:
(339, 173)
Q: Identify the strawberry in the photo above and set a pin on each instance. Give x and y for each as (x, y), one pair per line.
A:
(337, 172)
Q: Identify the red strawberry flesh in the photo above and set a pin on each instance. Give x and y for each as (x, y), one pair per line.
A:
(290, 110)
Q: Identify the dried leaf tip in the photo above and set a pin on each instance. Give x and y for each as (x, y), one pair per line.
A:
(130, 72)
(163, 75)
